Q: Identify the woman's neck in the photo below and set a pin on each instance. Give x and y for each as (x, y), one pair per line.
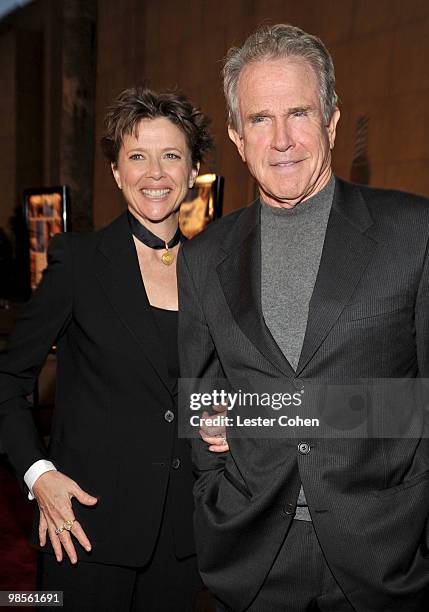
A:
(165, 229)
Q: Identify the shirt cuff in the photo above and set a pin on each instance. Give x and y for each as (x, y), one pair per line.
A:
(34, 471)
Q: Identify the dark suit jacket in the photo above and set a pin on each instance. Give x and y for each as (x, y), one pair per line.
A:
(368, 317)
(113, 390)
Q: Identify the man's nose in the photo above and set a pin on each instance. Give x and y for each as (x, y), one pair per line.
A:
(282, 137)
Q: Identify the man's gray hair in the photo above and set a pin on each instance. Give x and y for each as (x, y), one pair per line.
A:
(275, 42)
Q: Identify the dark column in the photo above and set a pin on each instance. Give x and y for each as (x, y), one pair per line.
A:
(360, 171)
(29, 143)
(77, 116)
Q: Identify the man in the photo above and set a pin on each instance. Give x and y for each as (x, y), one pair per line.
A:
(317, 280)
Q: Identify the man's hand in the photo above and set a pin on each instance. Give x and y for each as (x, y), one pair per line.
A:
(215, 436)
(53, 492)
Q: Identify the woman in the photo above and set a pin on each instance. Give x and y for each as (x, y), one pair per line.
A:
(117, 513)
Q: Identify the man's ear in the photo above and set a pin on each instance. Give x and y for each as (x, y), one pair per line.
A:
(332, 127)
(115, 172)
(238, 141)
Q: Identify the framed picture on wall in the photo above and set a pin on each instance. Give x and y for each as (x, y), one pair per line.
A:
(202, 205)
(47, 213)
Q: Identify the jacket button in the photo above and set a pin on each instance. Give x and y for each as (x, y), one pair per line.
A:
(290, 509)
(169, 416)
(175, 464)
(299, 385)
(304, 448)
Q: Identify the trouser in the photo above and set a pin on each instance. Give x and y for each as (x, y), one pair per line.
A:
(94, 587)
(300, 579)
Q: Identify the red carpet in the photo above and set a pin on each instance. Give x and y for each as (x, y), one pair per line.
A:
(17, 558)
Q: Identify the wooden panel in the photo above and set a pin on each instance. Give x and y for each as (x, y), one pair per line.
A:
(378, 62)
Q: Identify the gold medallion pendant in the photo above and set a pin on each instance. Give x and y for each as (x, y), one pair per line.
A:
(167, 258)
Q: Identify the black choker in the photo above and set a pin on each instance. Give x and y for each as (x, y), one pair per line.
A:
(151, 240)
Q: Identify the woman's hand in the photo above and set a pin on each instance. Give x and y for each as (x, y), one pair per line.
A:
(215, 436)
(53, 492)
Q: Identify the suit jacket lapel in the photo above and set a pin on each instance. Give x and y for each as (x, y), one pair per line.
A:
(346, 253)
(118, 270)
(240, 278)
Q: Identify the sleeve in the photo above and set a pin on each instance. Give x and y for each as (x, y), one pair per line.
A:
(422, 319)
(34, 471)
(198, 358)
(45, 318)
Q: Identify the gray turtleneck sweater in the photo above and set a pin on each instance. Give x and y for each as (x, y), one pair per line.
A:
(291, 246)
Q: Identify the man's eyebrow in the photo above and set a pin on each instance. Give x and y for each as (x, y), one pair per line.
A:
(300, 109)
(290, 111)
(260, 113)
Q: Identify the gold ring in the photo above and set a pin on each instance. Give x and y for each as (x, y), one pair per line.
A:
(68, 525)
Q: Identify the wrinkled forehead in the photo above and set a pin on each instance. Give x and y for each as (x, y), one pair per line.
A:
(290, 80)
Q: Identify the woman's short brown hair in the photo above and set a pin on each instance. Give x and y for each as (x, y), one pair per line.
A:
(137, 103)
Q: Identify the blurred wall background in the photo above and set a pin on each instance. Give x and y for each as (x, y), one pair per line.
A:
(63, 61)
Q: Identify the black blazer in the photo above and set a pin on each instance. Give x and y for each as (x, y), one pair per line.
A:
(368, 317)
(109, 433)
